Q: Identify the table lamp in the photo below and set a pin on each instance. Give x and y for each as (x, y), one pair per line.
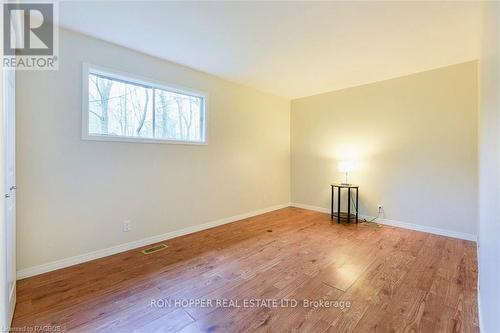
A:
(346, 166)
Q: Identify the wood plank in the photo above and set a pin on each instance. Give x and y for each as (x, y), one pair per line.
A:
(394, 279)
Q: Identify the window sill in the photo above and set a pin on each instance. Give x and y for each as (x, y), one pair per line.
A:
(141, 140)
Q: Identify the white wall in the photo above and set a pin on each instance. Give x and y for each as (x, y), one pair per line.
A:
(489, 162)
(414, 139)
(73, 195)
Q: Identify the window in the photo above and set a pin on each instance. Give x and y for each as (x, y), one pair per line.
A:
(119, 107)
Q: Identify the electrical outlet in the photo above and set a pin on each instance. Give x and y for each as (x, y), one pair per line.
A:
(380, 207)
(127, 225)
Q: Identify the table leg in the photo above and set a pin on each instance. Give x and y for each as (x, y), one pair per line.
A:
(331, 212)
(348, 205)
(338, 205)
(357, 204)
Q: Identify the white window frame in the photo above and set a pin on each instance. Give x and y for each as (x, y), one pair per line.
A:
(120, 75)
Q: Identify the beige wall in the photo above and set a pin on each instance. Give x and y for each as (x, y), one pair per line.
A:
(414, 139)
(489, 171)
(73, 195)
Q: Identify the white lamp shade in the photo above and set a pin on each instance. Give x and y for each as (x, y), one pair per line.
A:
(346, 166)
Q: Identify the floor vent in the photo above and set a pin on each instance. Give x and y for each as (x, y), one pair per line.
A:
(155, 248)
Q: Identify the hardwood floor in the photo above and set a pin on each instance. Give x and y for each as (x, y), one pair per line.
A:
(392, 279)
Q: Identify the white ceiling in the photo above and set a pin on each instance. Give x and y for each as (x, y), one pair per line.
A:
(290, 49)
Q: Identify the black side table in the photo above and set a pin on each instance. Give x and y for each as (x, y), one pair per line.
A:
(339, 195)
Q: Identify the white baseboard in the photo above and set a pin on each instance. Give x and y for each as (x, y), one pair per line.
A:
(309, 207)
(399, 224)
(51, 266)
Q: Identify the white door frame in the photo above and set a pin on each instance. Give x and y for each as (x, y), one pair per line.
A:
(8, 202)
(9, 151)
(7, 189)
(4, 313)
